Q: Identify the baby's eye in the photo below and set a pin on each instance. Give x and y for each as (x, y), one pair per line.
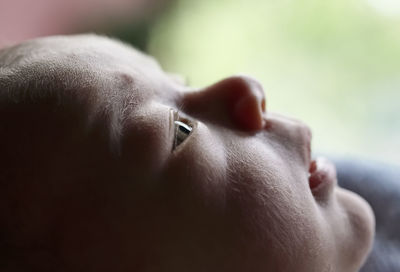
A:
(183, 128)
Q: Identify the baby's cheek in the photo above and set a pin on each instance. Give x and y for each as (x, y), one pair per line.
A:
(279, 226)
(196, 171)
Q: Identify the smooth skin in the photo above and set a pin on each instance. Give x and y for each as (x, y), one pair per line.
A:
(101, 186)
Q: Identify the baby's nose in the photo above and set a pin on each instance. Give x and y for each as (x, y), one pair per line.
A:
(237, 101)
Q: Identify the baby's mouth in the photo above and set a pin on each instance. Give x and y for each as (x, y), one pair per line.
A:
(322, 176)
(311, 170)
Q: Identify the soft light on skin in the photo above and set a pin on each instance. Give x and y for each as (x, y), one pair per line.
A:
(116, 196)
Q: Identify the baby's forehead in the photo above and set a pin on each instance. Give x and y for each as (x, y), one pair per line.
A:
(75, 58)
(88, 62)
(87, 48)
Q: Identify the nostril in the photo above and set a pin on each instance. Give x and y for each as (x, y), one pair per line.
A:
(263, 105)
(248, 113)
(248, 100)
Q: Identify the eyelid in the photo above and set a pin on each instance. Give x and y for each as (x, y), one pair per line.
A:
(172, 118)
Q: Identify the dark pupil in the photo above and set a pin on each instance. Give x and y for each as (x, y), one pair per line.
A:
(183, 130)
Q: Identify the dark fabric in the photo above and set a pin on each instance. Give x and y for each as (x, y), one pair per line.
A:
(379, 184)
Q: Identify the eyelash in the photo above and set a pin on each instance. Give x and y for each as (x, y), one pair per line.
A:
(185, 124)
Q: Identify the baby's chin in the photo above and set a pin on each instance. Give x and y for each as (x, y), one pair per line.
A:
(361, 221)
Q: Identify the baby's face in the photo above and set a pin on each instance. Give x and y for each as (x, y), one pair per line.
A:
(228, 188)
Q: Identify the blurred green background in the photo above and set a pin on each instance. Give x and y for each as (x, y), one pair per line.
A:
(335, 64)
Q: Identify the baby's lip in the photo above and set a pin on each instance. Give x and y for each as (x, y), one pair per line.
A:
(322, 173)
(322, 177)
